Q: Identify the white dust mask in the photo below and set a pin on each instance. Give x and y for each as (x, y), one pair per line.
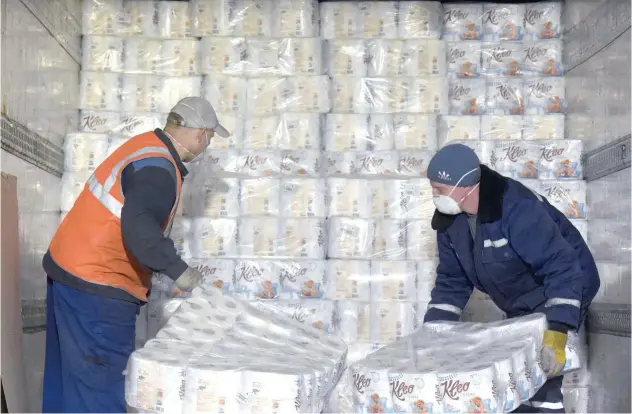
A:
(446, 204)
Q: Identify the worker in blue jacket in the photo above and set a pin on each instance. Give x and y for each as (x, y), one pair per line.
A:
(496, 235)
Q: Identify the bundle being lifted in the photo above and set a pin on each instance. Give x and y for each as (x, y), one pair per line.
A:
(219, 354)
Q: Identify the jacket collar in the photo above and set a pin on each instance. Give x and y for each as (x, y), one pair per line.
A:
(490, 200)
(172, 150)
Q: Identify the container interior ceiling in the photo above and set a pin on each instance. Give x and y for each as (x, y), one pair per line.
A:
(40, 97)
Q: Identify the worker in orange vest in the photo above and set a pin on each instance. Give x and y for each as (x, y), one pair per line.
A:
(100, 261)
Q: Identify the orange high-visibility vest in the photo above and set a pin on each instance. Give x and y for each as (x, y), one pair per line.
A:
(89, 244)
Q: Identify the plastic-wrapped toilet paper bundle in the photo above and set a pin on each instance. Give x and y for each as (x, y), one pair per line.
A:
(388, 95)
(462, 21)
(464, 59)
(346, 132)
(266, 95)
(181, 234)
(391, 321)
(350, 95)
(180, 57)
(506, 127)
(388, 58)
(303, 198)
(503, 21)
(307, 94)
(136, 123)
(425, 57)
(102, 18)
(426, 276)
(259, 196)
(217, 272)
(259, 237)
(261, 132)
(346, 57)
(544, 96)
(142, 93)
(303, 238)
(296, 18)
(372, 390)
(257, 279)
(388, 198)
(378, 163)
(542, 58)
(340, 20)
(543, 127)
(418, 199)
(515, 159)
(235, 125)
(72, 184)
(102, 53)
(303, 57)
(577, 400)
(300, 131)
(213, 18)
(212, 387)
(100, 91)
(415, 131)
(84, 151)
(278, 389)
(222, 55)
(214, 237)
(354, 321)
(99, 121)
(420, 19)
(542, 20)
(381, 132)
(348, 280)
(351, 238)
(379, 19)
(458, 128)
(341, 163)
(265, 57)
(390, 240)
(303, 279)
(174, 19)
(561, 160)
(567, 196)
(141, 18)
(348, 197)
(393, 281)
(421, 241)
(505, 96)
(176, 88)
(159, 310)
(414, 163)
(214, 198)
(254, 18)
(301, 163)
(502, 58)
(467, 96)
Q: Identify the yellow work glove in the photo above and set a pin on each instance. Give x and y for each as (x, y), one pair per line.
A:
(553, 352)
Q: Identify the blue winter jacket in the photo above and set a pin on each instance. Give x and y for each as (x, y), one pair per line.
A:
(526, 256)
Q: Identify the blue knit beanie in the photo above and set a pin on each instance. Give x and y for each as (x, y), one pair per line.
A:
(451, 163)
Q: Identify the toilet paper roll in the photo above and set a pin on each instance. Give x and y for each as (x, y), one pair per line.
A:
(222, 55)
(346, 132)
(560, 160)
(259, 163)
(158, 314)
(303, 238)
(481, 394)
(141, 19)
(341, 20)
(393, 280)
(389, 58)
(214, 237)
(519, 379)
(569, 197)
(174, 20)
(543, 127)
(257, 279)
(72, 184)
(341, 163)
(181, 234)
(354, 321)
(351, 238)
(254, 18)
(391, 321)
(420, 19)
(464, 59)
(84, 151)
(421, 241)
(390, 240)
(100, 18)
(303, 279)
(266, 96)
(303, 198)
(300, 131)
(180, 57)
(226, 93)
(426, 57)
(217, 272)
(176, 88)
(100, 91)
(505, 96)
(502, 59)
(265, 57)
(348, 197)
(102, 54)
(544, 96)
(388, 198)
(459, 128)
(467, 97)
(414, 163)
(259, 196)
(212, 388)
(413, 131)
(462, 21)
(426, 276)
(214, 18)
(414, 391)
(350, 95)
(301, 163)
(378, 163)
(99, 121)
(501, 127)
(503, 21)
(381, 132)
(543, 58)
(235, 126)
(303, 57)
(516, 159)
(429, 95)
(348, 280)
(346, 57)
(307, 94)
(143, 56)
(214, 198)
(142, 93)
(379, 19)
(280, 389)
(259, 237)
(296, 18)
(388, 95)
(222, 162)
(417, 199)
(543, 20)
(262, 132)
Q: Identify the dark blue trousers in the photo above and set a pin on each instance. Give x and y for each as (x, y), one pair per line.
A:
(89, 339)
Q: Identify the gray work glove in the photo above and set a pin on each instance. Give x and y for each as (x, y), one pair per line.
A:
(188, 280)
(553, 353)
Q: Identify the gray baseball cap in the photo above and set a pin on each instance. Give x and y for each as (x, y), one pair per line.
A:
(198, 113)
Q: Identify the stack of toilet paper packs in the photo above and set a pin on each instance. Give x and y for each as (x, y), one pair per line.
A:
(218, 354)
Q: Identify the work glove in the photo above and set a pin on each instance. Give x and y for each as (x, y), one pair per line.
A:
(553, 355)
(187, 281)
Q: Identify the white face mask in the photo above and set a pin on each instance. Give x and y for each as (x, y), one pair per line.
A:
(446, 204)
(195, 158)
